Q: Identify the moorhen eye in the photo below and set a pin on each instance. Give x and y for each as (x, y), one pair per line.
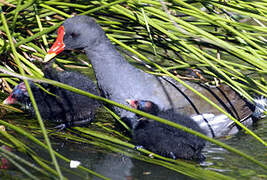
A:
(73, 35)
(118, 80)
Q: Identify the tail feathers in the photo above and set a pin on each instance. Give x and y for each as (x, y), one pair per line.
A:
(215, 125)
(260, 107)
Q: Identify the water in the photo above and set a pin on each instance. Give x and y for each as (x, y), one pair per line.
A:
(116, 165)
(235, 166)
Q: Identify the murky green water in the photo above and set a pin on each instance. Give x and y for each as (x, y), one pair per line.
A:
(118, 166)
(231, 164)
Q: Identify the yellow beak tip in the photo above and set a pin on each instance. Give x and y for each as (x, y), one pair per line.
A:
(5, 102)
(49, 57)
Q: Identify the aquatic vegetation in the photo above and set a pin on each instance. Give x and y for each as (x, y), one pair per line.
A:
(211, 42)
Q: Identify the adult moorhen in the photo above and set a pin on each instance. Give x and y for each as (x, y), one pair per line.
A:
(60, 106)
(118, 80)
(164, 139)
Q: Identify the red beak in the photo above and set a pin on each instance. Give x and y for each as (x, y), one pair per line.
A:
(58, 45)
(9, 100)
(132, 103)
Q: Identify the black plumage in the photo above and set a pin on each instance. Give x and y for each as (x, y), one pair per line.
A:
(163, 139)
(60, 105)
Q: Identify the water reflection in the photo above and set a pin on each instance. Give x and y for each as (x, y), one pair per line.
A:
(117, 166)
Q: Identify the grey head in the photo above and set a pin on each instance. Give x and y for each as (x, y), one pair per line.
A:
(82, 32)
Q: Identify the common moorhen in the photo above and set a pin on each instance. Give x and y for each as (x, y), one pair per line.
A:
(119, 80)
(59, 105)
(164, 139)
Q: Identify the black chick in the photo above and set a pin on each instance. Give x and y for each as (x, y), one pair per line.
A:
(60, 106)
(164, 139)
